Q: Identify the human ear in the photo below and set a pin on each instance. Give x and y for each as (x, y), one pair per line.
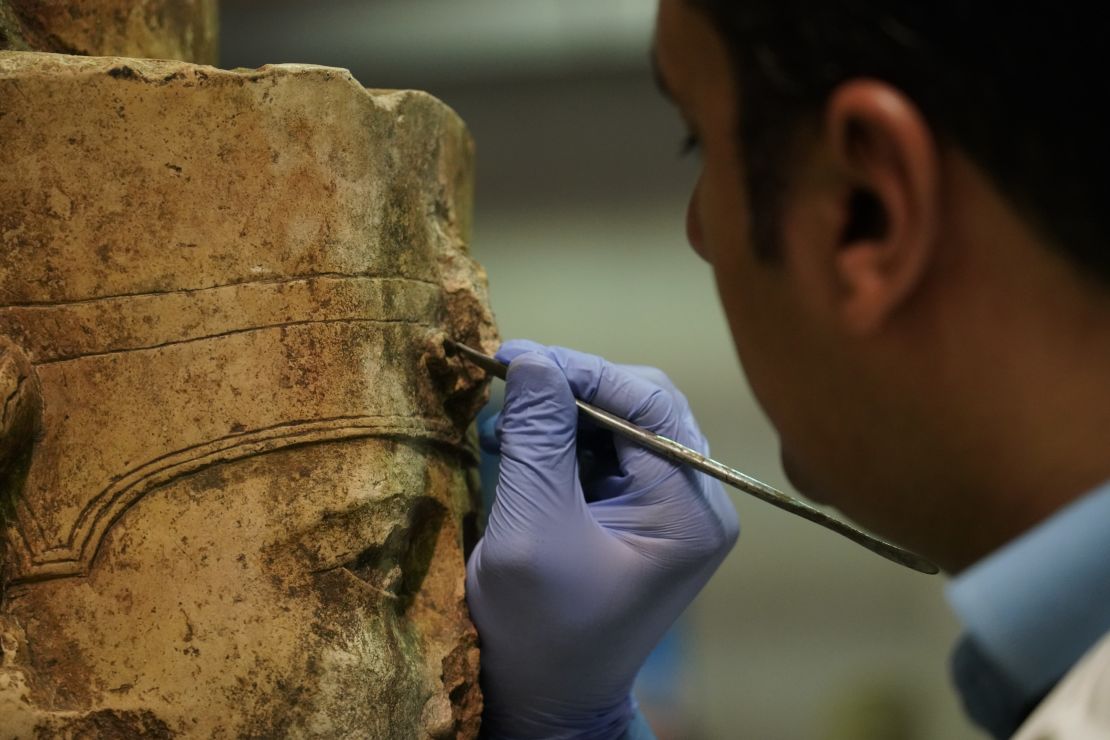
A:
(885, 156)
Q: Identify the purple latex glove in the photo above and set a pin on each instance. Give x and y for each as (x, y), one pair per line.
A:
(574, 583)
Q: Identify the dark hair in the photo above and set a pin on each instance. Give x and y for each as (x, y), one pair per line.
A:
(1014, 86)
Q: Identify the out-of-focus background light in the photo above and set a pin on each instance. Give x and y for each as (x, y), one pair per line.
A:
(579, 222)
(449, 40)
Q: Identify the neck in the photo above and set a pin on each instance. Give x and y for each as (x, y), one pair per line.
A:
(1024, 341)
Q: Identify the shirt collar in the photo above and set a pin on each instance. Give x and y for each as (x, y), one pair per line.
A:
(1036, 605)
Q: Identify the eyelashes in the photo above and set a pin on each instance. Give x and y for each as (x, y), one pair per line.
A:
(689, 145)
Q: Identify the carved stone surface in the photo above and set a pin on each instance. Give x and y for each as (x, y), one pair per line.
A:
(236, 475)
(161, 29)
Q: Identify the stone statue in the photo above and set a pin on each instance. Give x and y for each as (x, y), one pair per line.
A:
(236, 476)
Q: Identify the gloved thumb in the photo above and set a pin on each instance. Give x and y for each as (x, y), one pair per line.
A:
(538, 433)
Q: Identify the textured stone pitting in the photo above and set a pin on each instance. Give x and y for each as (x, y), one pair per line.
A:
(236, 471)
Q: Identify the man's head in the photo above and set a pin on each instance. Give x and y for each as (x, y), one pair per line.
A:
(900, 204)
(1009, 86)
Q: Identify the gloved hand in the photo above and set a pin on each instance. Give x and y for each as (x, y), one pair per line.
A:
(574, 583)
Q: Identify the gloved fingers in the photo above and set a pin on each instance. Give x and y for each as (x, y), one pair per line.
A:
(661, 379)
(629, 394)
(689, 435)
(510, 349)
(619, 391)
(634, 456)
(597, 455)
(643, 395)
(691, 511)
(599, 466)
(538, 433)
(639, 469)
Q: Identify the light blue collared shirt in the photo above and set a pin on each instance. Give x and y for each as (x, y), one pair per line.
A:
(1039, 603)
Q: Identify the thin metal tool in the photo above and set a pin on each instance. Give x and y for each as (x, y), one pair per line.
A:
(676, 452)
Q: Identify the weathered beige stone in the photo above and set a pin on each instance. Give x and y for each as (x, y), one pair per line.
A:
(160, 29)
(236, 475)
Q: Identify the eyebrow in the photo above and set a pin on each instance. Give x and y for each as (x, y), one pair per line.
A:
(657, 74)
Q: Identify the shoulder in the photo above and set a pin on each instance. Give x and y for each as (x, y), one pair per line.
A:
(1079, 706)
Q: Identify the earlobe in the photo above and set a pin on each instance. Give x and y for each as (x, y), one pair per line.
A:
(885, 156)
